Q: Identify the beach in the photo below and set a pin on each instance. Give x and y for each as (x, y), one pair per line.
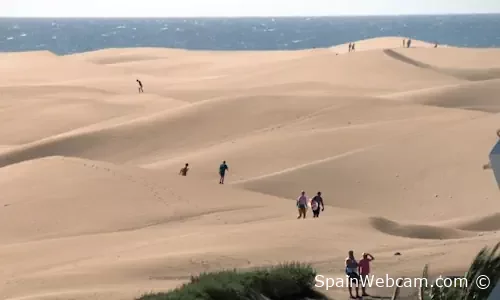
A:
(93, 206)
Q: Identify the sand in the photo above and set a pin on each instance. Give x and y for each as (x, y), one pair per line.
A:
(92, 206)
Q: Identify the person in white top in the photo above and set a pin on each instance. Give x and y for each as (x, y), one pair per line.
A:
(302, 205)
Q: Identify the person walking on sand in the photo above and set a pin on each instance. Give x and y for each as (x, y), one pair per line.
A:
(351, 270)
(222, 171)
(140, 86)
(317, 205)
(409, 43)
(353, 47)
(350, 46)
(364, 271)
(184, 170)
(302, 205)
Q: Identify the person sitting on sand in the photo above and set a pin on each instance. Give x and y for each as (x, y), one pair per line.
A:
(351, 270)
(364, 271)
(140, 86)
(302, 205)
(317, 204)
(222, 171)
(184, 170)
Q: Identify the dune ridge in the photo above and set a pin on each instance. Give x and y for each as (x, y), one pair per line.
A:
(93, 207)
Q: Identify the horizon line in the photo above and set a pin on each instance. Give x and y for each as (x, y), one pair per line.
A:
(254, 16)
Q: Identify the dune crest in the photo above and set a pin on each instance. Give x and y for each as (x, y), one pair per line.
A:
(93, 205)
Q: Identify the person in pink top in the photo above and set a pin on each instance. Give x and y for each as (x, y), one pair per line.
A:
(302, 205)
(364, 270)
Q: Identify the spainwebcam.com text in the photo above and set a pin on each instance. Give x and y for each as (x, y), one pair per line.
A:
(482, 282)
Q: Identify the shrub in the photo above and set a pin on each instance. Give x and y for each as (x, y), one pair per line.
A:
(486, 263)
(289, 281)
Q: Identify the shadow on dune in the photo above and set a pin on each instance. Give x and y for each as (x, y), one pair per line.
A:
(416, 231)
(479, 96)
(481, 223)
(407, 60)
(466, 74)
(448, 230)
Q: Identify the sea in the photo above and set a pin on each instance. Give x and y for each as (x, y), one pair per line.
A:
(67, 36)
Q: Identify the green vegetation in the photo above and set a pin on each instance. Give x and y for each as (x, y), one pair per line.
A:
(486, 263)
(290, 281)
(295, 281)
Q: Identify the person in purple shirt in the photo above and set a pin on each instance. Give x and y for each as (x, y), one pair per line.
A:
(302, 205)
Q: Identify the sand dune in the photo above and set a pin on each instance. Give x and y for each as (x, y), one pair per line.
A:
(93, 207)
(44, 68)
(489, 222)
(336, 70)
(158, 204)
(116, 56)
(381, 43)
(479, 95)
(435, 181)
(55, 109)
(474, 73)
(417, 231)
(454, 58)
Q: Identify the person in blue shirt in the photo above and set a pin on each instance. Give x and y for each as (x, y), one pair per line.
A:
(222, 172)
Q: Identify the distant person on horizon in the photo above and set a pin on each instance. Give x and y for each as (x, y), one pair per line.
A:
(353, 47)
(364, 271)
(317, 204)
(350, 45)
(302, 205)
(140, 86)
(184, 170)
(222, 171)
